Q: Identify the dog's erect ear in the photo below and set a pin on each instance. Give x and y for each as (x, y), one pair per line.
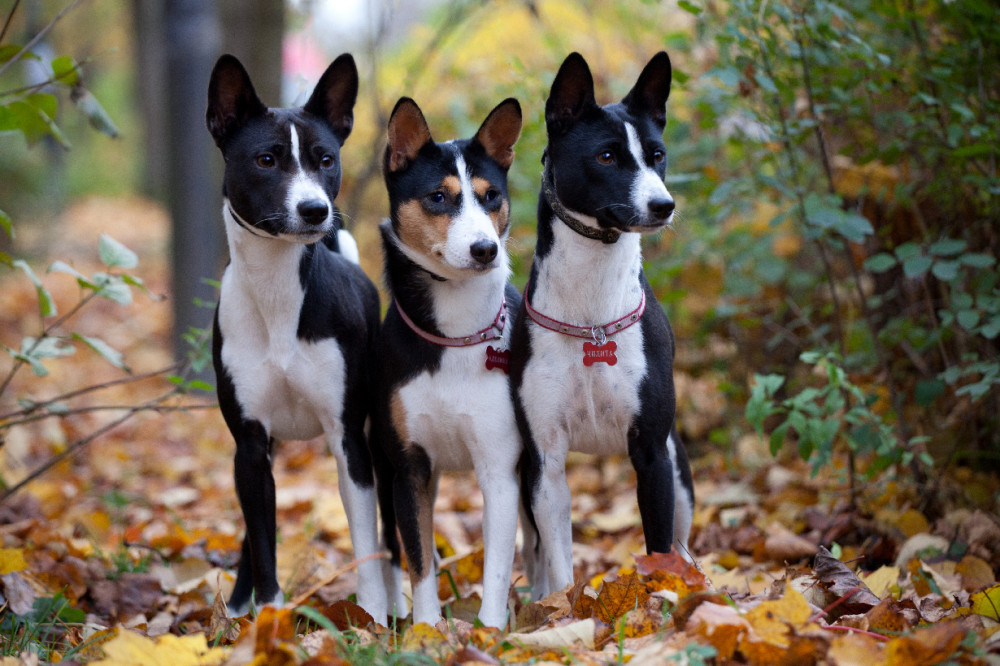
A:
(649, 95)
(572, 94)
(334, 96)
(500, 132)
(408, 133)
(231, 99)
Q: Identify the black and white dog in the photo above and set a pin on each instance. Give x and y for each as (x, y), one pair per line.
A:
(444, 398)
(297, 322)
(592, 351)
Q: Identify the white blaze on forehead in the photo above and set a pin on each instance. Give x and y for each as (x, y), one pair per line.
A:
(303, 186)
(647, 185)
(470, 225)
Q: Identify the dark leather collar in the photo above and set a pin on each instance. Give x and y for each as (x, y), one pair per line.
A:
(606, 236)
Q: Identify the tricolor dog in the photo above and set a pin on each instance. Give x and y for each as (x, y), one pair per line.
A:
(296, 323)
(444, 398)
(592, 351)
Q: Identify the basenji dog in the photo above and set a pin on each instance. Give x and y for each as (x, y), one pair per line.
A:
(444, 399)
(296, 323)
(592, 350)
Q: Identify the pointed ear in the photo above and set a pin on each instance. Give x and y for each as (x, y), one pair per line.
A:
(334, 96)
(572, 94)
(408, 133)
(500, 132)
(649, 95)
(231, 99)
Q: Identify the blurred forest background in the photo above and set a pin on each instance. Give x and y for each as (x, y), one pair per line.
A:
(831, 276)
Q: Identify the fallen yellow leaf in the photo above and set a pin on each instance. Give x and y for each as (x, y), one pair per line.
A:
(129, 648)
(11, 560)
(987, 602)
(881, 580)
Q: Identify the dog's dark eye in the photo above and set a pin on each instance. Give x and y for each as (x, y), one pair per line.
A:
(607, 157)
(326, 161)
(491, 195)
(658, 156)
(437, 197)
(265, 161)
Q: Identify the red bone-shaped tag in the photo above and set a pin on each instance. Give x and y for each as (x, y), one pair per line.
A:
(498, 359)
(595, 353)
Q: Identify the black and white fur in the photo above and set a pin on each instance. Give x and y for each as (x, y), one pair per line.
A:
(296, 323)
(605, 166)
(440, 408)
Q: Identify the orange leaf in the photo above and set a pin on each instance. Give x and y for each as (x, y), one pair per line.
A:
(670, 571)
(856, 650)
(928, 645)
(722, 626)
(619, 596)
(642, 621)
(276, 635)
(774, 625)
(888, 617)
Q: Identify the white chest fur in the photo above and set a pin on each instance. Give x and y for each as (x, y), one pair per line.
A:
(569, 405)
(293, 387)
(461, 413)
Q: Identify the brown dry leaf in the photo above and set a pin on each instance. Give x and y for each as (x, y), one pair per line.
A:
(619, 596)
(891, 617)
(221, 625)
(720, 625)
(582, 601)
(925, 646)
(782, 545)
(839, 580)
(976, 573)
(129, 648)
(347, 615)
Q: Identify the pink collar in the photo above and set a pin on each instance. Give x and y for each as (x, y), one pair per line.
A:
(597, 333)
(491, 332)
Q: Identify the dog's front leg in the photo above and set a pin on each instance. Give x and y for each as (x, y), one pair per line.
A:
(498, 482)
(654, 484)
(357, 492)
(550, 504)
(414, 488)
(255, 489)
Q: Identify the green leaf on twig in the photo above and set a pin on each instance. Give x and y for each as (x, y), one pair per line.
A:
(110, 354)
(115, 254)
(46, 306)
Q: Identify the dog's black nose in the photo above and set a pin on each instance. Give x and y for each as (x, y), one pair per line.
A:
(313, 211)
(484, 251)
(661, 208)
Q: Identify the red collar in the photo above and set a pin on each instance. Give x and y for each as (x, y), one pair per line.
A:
(491, 332)
(597, 332)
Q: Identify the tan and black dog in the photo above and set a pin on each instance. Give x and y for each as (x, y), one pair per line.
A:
(444, 398)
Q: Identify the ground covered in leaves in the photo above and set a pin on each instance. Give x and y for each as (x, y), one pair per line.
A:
(118, 554)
